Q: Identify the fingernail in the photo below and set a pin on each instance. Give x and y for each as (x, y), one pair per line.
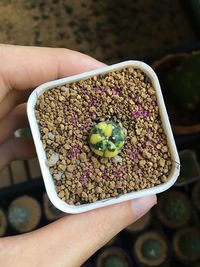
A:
(140, 206)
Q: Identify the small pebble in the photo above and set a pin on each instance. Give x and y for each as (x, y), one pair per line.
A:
(58, 176)
(65, 89)
(52, 160)
(99, 190)
(51, 136)
(61, 194)
(162, 162)
(142, 163)
(117, 159)
(83, 157)
(71, 168)
(133, 140)
(62, 167)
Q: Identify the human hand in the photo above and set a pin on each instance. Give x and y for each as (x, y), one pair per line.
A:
(21, 70)
(73, 239)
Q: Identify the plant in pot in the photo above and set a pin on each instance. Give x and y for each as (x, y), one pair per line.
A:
(174, 209)
(179, 76)
(113, 257)
(186, 244)
(151, 249)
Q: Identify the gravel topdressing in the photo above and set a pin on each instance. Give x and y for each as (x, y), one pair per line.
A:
(66, 115)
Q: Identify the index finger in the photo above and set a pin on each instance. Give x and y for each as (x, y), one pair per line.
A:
(27, 67)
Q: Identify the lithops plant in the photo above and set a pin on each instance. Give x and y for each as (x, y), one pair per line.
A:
(24, 214)
(107, 139)
(113, 261)
(113, 257)
(186, 243)
(174, 209)
(184, 83)
(151, 249)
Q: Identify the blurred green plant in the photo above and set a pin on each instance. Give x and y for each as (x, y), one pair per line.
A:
(184, 83)
(113, 261)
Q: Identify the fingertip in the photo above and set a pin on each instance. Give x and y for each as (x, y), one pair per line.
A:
(140, 206)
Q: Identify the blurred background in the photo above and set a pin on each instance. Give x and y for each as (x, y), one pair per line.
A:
(165, 34)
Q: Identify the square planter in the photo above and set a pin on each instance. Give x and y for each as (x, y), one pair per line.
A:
(48, 179)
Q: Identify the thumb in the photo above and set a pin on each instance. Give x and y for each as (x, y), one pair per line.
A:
(71, 240)
(96, 228)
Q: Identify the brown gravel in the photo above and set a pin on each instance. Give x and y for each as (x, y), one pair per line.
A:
(66, 114)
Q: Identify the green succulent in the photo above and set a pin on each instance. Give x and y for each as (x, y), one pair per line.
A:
(184, 83)
(114, 261)
(18, 215)
(176, 208)
(190, 244)
(106, 139)
(152, 249)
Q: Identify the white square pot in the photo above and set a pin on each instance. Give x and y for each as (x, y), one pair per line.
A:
(48, 179)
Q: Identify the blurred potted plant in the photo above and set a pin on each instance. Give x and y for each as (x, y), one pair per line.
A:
(113, 257)
(179, 77)
(174, 209)
(186, 244)
(151, 249)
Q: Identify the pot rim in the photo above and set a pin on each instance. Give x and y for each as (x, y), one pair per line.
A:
(47, 177)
